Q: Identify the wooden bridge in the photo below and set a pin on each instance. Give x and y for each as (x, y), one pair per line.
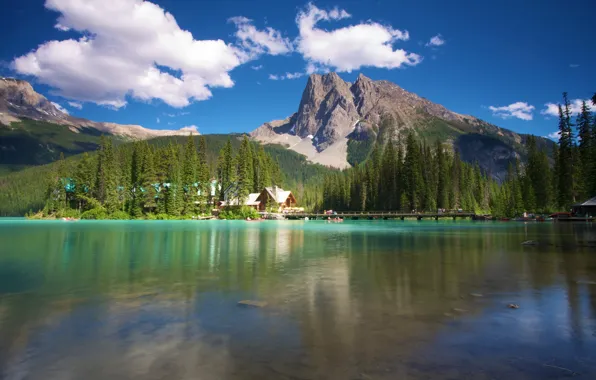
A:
(384, 215)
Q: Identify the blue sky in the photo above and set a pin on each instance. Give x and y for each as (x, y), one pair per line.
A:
(176, 63)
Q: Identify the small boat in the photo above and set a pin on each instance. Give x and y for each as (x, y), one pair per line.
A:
(505, 219)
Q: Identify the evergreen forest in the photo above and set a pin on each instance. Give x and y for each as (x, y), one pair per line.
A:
(411, 176)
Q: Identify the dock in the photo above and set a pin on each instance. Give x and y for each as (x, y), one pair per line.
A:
(387, 215)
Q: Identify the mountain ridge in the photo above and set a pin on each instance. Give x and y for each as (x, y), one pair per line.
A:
(19, 100)
(333, 114)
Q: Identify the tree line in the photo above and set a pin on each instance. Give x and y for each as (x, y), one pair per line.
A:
(143, 181)
(413, 176)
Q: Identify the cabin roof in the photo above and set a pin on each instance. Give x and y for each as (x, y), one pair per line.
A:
(251, 200)
(280, 195)
(589, 202)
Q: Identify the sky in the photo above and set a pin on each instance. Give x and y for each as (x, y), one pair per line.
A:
(230, 65)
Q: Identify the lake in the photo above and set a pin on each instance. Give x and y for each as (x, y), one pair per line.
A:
(353, 300)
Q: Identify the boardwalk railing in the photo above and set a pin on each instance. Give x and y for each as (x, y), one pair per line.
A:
(383, 215)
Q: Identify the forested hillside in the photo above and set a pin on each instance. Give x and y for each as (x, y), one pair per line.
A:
(25, 191)
(427, 177)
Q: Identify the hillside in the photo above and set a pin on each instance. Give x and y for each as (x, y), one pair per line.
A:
(24, 190)
(337, 124)
(33, 131)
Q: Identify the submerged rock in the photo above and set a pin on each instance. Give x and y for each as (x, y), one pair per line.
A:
(252, 303)
(530, 242)
(513, 306)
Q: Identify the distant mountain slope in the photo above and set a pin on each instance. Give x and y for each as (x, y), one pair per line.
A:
(338, 123)
(25, 190)
(33, 131)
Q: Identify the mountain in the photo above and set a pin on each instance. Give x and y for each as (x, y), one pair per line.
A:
(34, 131)
(337, 124)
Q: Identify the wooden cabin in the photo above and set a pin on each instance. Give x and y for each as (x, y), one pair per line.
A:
(276, 198)
(587, 208)
(269, 198)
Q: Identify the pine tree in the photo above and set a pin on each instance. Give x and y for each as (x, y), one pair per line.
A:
(84, 180)
(173, 186)
(585, 148)
(135, 206)
(389, 178)
(244, 170)
(441, 176)
(203, 177)
(565, 180)
(414, 183)
(150, 186)
(189, 176)
(263, 176)
(226, 168)
(106, 179)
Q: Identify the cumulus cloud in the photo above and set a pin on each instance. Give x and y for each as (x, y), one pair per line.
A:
(76, 105)
(520, 110)
(554, 135)
(351, 47)
(135, 48)
(437, 40)
(286, 76)
(191, 129)
(60, 108)
(257, 42)
(575, 106)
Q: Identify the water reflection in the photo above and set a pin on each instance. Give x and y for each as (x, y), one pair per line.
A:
(355, 300)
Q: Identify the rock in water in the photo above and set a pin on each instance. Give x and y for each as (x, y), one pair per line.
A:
(252, 303)
(530, 242)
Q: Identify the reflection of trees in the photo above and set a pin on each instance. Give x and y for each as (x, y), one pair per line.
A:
(361, 293)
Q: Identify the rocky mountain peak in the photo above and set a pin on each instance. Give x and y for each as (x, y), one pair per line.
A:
(18, 97)
(333, 112)
(19, 100)
(326, 111)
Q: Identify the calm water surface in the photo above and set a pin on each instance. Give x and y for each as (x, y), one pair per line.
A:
(357, 300)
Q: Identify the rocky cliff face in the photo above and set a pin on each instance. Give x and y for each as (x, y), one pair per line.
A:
(19, 100)
(333, 113)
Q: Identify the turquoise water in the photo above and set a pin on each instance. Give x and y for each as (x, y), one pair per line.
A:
(353, 300)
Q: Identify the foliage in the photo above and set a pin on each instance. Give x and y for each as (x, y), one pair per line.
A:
(237, 213)
(119, 215)
(34, 142)
(359, 150)
(95, 214)
(145, 163)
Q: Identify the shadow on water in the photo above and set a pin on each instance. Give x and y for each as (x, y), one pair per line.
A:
(358, 300)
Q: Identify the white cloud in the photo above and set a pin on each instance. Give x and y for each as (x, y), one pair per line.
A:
(520, 110)
(573, 65)
(286, 76)
(192, 129)
(437, 40)
(257, 42)
(76, 105)
(60, 108)
(257, 67)
(575, 106)
(554, 135)
(351, 47)
(132, 48)
(158, 120)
